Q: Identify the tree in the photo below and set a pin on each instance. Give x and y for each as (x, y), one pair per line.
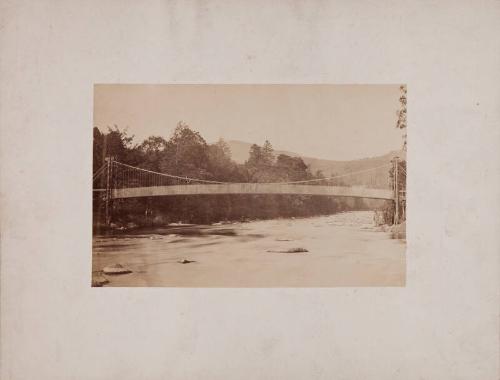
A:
(153, 144)
(118, 145)
(255, 156)
(401, 185)
(220, 164)
(152, 150)
(260, 164)
(115, 143)
(220, 152)
(292, 168)
(402, 120)
(402, 124)
(267, 155)
(185, 153)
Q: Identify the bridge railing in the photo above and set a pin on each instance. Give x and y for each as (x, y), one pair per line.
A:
(122, 176)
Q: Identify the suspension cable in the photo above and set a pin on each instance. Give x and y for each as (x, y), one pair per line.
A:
(188, 179)
(330, 178)
(168, 175)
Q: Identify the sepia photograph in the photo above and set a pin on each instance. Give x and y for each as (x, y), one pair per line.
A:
(249, 189)
(249, 185)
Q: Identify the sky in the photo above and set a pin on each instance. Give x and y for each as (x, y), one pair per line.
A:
(337, 122)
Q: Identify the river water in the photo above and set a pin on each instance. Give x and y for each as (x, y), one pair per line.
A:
(344, 249)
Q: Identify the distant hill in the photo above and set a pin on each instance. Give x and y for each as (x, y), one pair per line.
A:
(240, 149)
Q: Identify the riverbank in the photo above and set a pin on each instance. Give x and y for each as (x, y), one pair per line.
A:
(344, 249)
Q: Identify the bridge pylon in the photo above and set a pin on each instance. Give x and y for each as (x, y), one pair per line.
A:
(109, 190)
(396, 190)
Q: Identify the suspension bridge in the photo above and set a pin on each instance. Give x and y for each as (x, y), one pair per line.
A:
(120, 181)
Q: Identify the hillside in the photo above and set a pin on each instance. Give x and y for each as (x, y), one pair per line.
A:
(240, 149)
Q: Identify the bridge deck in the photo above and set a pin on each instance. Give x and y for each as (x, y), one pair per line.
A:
(252, 188)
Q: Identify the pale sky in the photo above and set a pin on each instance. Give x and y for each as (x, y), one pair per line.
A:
(338, 122)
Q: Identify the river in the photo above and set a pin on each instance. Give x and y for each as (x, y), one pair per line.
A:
(344, 249)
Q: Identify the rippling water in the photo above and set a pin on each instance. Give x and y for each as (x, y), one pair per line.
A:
(345, 249)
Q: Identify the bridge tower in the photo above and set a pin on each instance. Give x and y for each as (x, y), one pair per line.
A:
(109, 190)
(396, 190)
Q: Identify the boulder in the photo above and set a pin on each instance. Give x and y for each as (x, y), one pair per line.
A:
(185, 261)
(98, 281)
(290, 250)
(116, 269)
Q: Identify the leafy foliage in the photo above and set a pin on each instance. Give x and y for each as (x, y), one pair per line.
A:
(401, 183)
(186, 153)
(402, 112)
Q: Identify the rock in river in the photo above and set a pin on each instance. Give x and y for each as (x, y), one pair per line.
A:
(116, 269)
(185, 261)
(98, 281)
(291, 250)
